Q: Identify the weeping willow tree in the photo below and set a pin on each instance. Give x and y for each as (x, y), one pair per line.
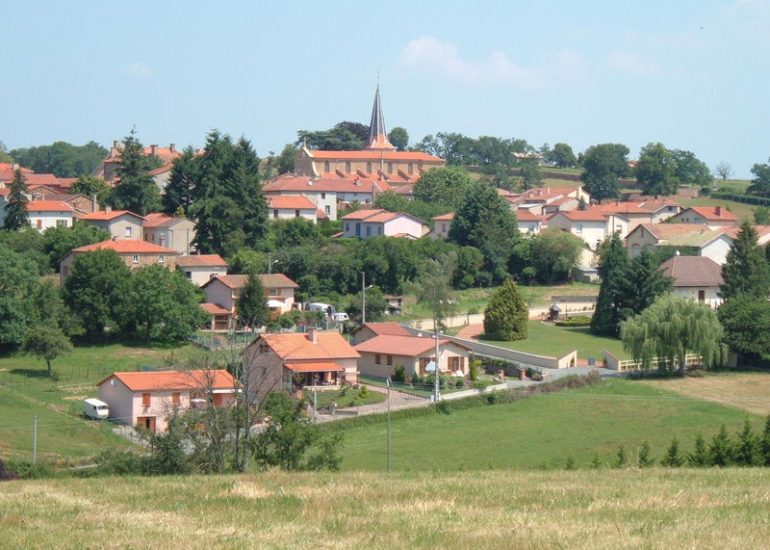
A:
(671, 328)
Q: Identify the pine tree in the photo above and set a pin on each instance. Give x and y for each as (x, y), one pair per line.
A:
(643, 284)
(745, 270)
(136, 190)
(764, 445)
(644, 460)
(252, 306)
(596, 462)
(673, 459)
(506, 315)
(699, 457)
(16, 207)
(569, 464)
(179, 190)
(721, 449)
(613, 270)
(620, 458)
(746, 446)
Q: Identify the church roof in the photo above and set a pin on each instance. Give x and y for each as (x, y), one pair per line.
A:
(378, 136)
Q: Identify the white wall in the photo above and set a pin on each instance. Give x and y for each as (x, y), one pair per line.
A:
(43, 220)
(717, 249)
(290, 214)
(201, 275)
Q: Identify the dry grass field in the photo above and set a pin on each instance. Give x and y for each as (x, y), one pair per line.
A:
(558, 509)
(749, 391)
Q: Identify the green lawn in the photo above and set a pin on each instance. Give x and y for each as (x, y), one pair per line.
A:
(541, 431)
(556, 341)
(346, 398)
(26, 391)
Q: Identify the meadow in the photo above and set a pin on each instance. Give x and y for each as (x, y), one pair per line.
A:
(629, 508)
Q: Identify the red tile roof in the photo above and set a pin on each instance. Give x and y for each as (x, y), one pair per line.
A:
(102, 215)
(268, 280)
(326, 366)
(201, 260)
(712, 213)
(48, 206)
(165, 154)
(389, 328)
(362, 214)
(376, 155)
(127, 246)
(448, 217)
(158, 219)
(174, 380)
(214, 309)
(294, 347)
(525, 215)
(290, 202)
(583, 216)
(408, 346)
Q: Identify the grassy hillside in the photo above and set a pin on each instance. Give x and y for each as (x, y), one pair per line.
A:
(542, 430)
(584, 509)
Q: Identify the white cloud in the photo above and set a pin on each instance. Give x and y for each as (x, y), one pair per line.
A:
(629, 62)
(139, 69)
(430, 55)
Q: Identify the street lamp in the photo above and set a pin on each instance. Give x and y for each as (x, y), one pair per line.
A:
(364, 288)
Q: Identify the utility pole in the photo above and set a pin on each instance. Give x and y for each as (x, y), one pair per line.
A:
(363, 297)
(387, 381)
(437, 386)
(34, 440)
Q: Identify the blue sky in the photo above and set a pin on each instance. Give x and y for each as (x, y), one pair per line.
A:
(691, 74)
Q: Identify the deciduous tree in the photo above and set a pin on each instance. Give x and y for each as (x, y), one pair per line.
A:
(723, 170)
(399, 138)
(446, 186)
(656, 170)
(48, 342)
(760, 184)
(602, 166)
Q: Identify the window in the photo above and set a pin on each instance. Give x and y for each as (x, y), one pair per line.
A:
(135, 258)
(369, 167)
(423, 364)
(443, 228)
(390, 360)
(347, 225)
(146, 399)
(326, 166)
(162, 241)
(328, 210)
(61, 223)
(161, 259)
(379, 230)
(275, 213)
(296, 213)
(188, 274)
(377, 359)
(274, 291)
(368, 230)
(127, 231)
(579, 228)
(410, 169)
(176, 399)
(701, 296)
(323, 195)
(347, 167)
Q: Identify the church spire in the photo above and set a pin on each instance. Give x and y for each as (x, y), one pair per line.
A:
(378, 137)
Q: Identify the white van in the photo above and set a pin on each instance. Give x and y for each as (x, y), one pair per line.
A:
(340, 317)
(327, 309)
(95, 409)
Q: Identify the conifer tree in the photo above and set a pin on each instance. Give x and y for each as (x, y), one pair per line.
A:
(136, 190)
(644, 460)
(179, 191)
(252, 306)
(643, 284)
(506, 315)
(745, 270)
(673, 459)
(613, 270)
(764, 445)
(699, 457)
(720, 450)
(620, 458)
(746, 446)
(16, 207)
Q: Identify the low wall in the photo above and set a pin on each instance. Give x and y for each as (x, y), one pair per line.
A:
(471, 393)
(615, 363)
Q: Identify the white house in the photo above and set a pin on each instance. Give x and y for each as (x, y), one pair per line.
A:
(696, 278)
(287, 207)
(364, 224)
(593, 227)
(441, 225)
(45, 214)
(529, 222)
(201, 268)
(120, 224)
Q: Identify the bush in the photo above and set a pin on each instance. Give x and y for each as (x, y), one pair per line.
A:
(491, 366)
(473, 369)
(5, 473)
(363, 393)
(398, 373)
(443, 407)
(459, 383)
(26, 470)
(119, 462)
(577, 321)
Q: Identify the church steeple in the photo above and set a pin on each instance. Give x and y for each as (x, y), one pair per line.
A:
(378, 137)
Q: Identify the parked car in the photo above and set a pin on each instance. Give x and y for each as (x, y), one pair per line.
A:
(340, 317)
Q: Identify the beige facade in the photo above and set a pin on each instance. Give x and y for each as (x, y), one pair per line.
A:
(123, 225)
(133, 255)
(403, 166)
(175, 233)
(452, 358)
(200, 275)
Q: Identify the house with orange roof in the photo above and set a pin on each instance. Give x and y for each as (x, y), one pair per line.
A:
(201, 268)
(81, 204)
(287, 207)
(109, 166)
(367, 331)
(147, 400)
(591, 226)
(713, 216)
(134, 253)
(43, 214)
(120, 224)
(529, 223)
(169, 231)
(368, 223)
(379, 159)
(441, 224)
(382, 354)
(223, 291)
(299, 361)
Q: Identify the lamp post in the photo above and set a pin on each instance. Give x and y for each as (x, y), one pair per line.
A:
(364, 288)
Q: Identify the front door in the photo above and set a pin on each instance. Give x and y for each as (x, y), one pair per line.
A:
(701, 296)
(146, 422)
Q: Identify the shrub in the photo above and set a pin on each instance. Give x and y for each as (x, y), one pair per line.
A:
(644, 460)
(481, 384)
(721, 450)
(577, 321)
(398, 373)
(363, 393)
(699, 457)
(672, 458)
(570, 464)
(473, 369)
(5, 473)
(26, 470)
(459, 383)
(620, 458)
(119, 462)
(443, 407)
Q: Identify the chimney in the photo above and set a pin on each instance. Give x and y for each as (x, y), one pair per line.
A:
(94, 203)
(312, 335)
(718, 210)
(153, 149)
(114, 238)
(108, 209)
(172, 147)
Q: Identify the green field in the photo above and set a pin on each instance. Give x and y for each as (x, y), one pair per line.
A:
(542, 430)
(557, 341)
(26, 391)
(585, 509)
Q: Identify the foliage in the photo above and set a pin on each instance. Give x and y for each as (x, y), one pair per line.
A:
(746, 324)
(643, 283)
(180, 189)
(167, 451)
(721, 449)
(764, 444)
(399, 138)
(287, 159)
(671, 328)
(136, 190)
(620, 457)
(613, 269)
(422, 210)
(90, 186)
(689, 169)
(433, 289)
(760, 184)
(484, 220)
(745, 452)
(762, 215)
(445, 186)
(745, 270)
(562, 156)
(551, 254)
(673, 459)
(16, 205)
(531, 176)
(59, 241)
(162, 305)
(5, 156)
(344, 136)
(644, 460)
(699, 456)
(474, 366)
(97, 290)
(61, 159)
(48, 342)
(376, 304)
(18, 279)
(602, 166)
(724, 170)
(289, 437)
(251, 304)
(506, 315)
(656, 170)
